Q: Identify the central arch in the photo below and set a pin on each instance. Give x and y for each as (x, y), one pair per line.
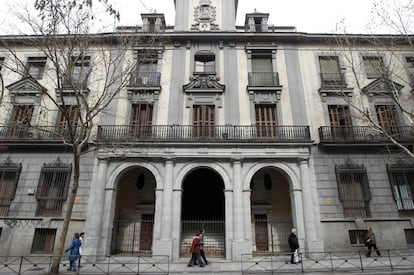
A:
(203, 208)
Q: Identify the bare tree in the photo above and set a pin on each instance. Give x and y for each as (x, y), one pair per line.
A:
(87, 72)
(385, 61)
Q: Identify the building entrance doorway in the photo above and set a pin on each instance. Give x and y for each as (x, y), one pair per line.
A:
(203, 208)
(271, 211)
(134, 213)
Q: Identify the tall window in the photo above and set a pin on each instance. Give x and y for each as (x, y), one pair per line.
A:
(205, 63)
(52, 189)
(266, 120)
(44, 240)
(262, 70)
(147, 68)
(1, 62)
(63, 122)
(141, 120)
(353, 190)
(387, 118)
(374, 66)
(203, 120)
(20, 121)
(330, 71)
(78, 70)
(402, 183)
(36, 67)
(341, 123)
(9, 175)
(410, 67)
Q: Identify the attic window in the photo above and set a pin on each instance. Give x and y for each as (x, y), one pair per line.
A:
(205, 63)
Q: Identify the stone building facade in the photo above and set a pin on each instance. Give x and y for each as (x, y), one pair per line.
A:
(246, 131)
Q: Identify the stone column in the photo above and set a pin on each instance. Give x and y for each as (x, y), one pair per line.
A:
(94, 214)
(164, 245)
(108, 220)
(247, 216)
(176, 223)
(239, 242)
(308, 207)
(228, 197)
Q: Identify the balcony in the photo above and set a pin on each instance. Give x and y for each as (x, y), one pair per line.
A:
(21, 135)
(332, 80)
(190, 133)
(363, 135)
(145, 80)
(264, 79)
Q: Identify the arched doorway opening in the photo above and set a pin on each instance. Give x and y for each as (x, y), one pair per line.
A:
(271, 210)
(203, 208)
(134, 213)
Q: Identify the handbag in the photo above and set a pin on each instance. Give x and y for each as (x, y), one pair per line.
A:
(296, 256)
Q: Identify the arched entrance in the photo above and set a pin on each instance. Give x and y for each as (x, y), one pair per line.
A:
(134, 213)
(203, 208)
(271, 210)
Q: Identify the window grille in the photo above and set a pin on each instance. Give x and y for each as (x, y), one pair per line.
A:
(402, 184)
(409, 236)
(353, 190)
(9, 176)
(357, 237)
(44, 240)
(53, 188)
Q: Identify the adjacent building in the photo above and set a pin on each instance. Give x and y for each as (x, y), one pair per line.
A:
(245, 131)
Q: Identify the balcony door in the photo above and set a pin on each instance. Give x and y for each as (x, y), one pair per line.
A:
(387, 118)
(63, 123)
(262, 69)
(203, 121)
(341, 122)
(266, 120)
(20, 121)
(141, 120)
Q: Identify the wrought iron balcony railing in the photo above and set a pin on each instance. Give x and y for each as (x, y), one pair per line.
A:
(333, 80)
(364, 135)
(22, 134)
(145, 79)
(190, 133)
(264, 79)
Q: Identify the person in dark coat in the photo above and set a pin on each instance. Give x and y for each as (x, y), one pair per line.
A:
(202, 254)
(371, 242)
(74, 252)
(293, 244)
(195, 251)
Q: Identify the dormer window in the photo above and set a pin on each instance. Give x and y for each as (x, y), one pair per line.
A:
(256, 22)
(153, 22)
(205, 63)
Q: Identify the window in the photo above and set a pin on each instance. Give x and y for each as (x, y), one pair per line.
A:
(1, 62)
(9, 175)
(402, 184)
(147, 64)
(262, 69)
(203, 120)
(357, 237)
(53, 188)
(387, 118)
(266, 120)
(410, 67)
(374, 66)
(20, 121)
(141, 120)
(409, 236)
(44, 240)
(78, 71)
(205, 63)
(353, 190)
(36, 67)
(330, 71)
(63, 123)
(340, 119)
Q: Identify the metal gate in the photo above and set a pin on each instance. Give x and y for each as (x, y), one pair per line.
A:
(214, 237)
(133, 236)
(271, 236)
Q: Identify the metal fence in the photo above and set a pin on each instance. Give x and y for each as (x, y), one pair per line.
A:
(154, 265)
(320, 262)
(214, 240)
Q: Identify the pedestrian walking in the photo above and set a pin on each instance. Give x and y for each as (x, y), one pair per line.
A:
(371, 242)
(195, 252)
(202, 254)
(74, 252)
(294, 246)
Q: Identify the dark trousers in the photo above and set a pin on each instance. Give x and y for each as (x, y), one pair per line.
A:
(370, 246)
(195, 257)
(203, 255)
